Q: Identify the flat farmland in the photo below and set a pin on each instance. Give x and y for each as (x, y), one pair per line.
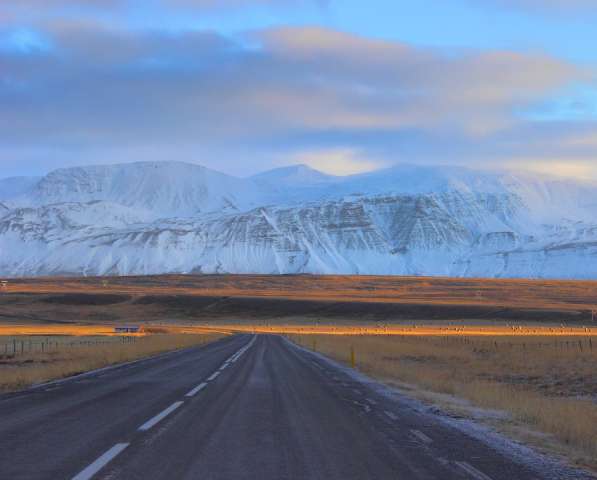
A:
(299, 298)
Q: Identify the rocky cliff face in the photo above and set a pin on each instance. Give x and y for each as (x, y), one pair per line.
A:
(156, 218)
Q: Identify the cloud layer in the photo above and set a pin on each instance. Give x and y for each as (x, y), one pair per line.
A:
(276, 93)
(545, 6)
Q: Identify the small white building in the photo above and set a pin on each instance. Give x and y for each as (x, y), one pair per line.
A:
(128, 329)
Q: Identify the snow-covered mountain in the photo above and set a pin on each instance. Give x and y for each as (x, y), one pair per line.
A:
(16, 186)
(172, 217)
(163, 189)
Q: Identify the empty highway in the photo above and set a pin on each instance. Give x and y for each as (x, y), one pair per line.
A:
(245, 407)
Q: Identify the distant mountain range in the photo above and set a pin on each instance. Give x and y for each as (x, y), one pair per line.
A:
(147, 218)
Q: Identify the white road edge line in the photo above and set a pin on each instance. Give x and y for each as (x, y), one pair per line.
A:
(421, 436)
(196, 390)
(212, 376)
(472, 471)
(391, 415)
(101, 462)
(159, 417)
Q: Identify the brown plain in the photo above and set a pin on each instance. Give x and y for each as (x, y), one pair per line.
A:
(259, 298)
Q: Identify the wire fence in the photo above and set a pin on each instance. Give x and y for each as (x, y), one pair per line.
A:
(22, 347)
(583, 345)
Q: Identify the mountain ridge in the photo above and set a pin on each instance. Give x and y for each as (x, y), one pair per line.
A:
(162, 217)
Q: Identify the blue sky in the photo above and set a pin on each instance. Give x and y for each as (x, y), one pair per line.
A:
(345, 86)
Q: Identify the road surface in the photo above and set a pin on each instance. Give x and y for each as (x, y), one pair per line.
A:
(246, 407)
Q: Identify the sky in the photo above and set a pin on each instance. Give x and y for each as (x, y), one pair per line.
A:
(344, 86)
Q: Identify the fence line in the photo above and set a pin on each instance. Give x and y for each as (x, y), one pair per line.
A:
(21, 347)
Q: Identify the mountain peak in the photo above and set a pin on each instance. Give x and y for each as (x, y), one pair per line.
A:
(15, 186)
(294, 175)
(166, 188)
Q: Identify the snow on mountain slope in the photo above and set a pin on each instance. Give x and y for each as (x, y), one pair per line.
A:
(164, 188)
(296, 184)
(154, 218)
(540, 194)
(294, 176)
(16, 186)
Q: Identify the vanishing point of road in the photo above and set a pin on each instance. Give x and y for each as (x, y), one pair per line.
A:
(244, 407)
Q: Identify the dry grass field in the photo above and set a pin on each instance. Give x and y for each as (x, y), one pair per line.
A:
(545, 383)
(185, 298)
(26, 360)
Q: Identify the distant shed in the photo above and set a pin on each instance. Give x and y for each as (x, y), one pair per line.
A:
(128, 329)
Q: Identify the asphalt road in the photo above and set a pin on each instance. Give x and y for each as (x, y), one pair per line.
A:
(241, 408)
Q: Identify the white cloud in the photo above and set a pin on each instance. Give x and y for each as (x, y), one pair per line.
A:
(545, 6)
(340, 161)
(562, 167)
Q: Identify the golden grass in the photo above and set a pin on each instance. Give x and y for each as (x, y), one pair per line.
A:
(94, 330)
(65, 355)
(547, 383)
(417, 329)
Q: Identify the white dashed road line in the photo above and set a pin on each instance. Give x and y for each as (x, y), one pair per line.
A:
(108, 456)
(196, 390)
(472, 471)
(391, 415)
(238, 354)
(159, 417)
(101, 462)
(421, 436)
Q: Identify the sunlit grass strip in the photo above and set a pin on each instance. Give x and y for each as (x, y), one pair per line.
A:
(418, 330)
(92, 330)
(452, 329)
